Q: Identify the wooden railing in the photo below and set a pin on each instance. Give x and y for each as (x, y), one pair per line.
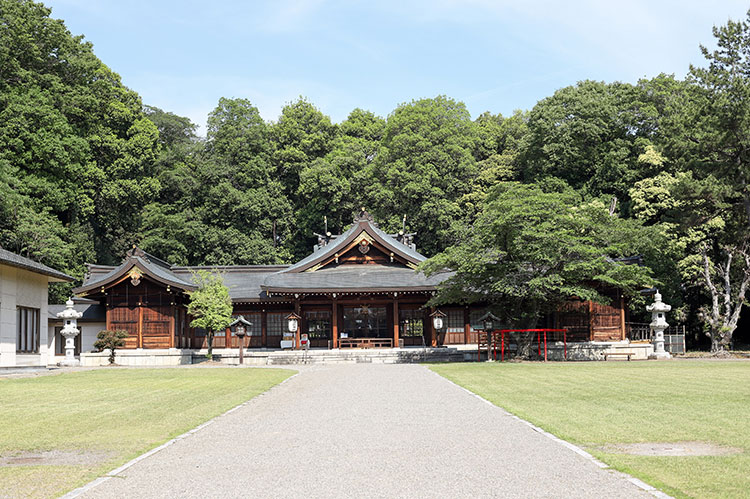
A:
(365, 342)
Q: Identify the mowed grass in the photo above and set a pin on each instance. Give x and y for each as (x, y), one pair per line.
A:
(593, 404)
(109, 416)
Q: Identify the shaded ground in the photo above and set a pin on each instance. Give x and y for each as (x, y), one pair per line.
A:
(366, 431)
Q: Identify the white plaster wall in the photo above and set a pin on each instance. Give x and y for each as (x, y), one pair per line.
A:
(88, 333)
(21, 288)
(7, 316)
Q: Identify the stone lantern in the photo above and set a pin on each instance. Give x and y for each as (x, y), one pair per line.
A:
(658, 324)
(69, 332)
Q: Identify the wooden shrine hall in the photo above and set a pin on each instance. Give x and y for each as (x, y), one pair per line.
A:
(360, 288)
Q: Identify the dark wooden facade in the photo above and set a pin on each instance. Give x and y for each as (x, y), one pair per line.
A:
(359, 285)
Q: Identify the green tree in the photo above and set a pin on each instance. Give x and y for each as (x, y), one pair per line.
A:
(425, 170)
(335, 186)
(531, 250)
(110, 340)
(73, 138)
(210, 306)
(722, 112)
(591, 136)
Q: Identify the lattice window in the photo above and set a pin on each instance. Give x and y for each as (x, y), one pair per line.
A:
(455, 321)
(276, 323)
(411, 322)
(255, 328)
(474, 318)
(27, 328)
(318, 324)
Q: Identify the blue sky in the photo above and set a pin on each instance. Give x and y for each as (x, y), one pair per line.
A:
(497, 56)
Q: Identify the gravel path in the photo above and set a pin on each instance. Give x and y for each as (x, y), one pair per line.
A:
(366, 431)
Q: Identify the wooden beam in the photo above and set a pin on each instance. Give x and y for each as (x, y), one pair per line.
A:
(591, 320)
(335, 324)
(395, 322)
(263, 329)
(299, 324)
(171, 326)
(140, 326)
(467, 326)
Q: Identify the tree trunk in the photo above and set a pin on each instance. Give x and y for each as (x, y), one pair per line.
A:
(525, 340)
(210, 343)
(726, 303)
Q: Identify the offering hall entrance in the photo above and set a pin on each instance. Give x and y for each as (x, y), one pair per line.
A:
(366, 322)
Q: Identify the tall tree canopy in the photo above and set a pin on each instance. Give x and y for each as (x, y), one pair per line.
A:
(425, 169)
(530, 250)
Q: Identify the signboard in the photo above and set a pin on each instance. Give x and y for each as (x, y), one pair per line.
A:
(287, 343)
(344, 335)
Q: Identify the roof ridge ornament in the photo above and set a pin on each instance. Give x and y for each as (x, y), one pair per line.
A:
(364, 216)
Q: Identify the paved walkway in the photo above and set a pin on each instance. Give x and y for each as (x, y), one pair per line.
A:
(366, 431)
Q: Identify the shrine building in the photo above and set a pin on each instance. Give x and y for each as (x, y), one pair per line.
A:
(360, 288)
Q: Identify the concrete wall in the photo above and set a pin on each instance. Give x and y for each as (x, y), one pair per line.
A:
(21, 288)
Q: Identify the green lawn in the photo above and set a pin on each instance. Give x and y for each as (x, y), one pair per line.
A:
(596, 403)
(109, 416)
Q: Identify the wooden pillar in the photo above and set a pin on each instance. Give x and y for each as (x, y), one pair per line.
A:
(335, 324)
(395, 322)
(623, 335)
(263, 329)
(467, 326)
(431, 326)
(171, 326)
(140, 326)
(591, 320)
(297, 342)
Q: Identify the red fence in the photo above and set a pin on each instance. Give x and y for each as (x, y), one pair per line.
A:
(492, 339)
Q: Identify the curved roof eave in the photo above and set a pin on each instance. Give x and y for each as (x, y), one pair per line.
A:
(124, 268)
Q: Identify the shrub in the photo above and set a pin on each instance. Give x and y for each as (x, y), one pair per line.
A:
(112, 340)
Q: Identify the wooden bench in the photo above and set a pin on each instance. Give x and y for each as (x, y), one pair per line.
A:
(366, 343)
(619, 354)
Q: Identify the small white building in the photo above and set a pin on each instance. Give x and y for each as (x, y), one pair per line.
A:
(24, 288)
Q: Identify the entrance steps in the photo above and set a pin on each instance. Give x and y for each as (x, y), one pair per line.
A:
(346, 356)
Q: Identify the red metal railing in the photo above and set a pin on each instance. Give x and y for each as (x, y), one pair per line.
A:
(492, 341)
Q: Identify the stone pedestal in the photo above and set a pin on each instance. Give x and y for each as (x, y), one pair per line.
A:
(69, 332)
(658, 324)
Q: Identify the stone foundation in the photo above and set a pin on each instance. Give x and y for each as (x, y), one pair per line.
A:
(139, 357)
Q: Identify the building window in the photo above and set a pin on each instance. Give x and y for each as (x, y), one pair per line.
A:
(254, 329)
(455, 321)
(411, 322)
(27, 327)
(318, 324)
(276, 324)
(474, 319)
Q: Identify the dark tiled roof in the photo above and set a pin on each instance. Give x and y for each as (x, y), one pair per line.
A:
(92, 312)
(354, 278)
(244, 282)
(13, 260)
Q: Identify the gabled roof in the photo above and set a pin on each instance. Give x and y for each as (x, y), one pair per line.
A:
(363, 223)
(18, 261)
(149, 265)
